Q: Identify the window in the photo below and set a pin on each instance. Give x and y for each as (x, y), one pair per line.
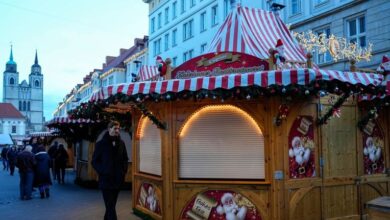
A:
(36, 83)
(152, 27)
(166, 15)
(322, 57)
(174, 37)
(11, 81)
(187, 29)
(159, 20)
(203, 21)
(13, 129)
(206, 151)
(174, 61)
(295, 7)
(356, 29)
(166, 42)
(174, 9)
(188, 55)
(28, 106)
(192, 3)
(149, 147)
(104, 82)
(183, 6)
(24, 106)
(20, 105)
(317, 2)
(110, 80)
(157, 47)
(203, 47)
(214, 15)
(225, 8)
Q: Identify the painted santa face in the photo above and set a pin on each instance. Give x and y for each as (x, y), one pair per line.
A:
(296, 143)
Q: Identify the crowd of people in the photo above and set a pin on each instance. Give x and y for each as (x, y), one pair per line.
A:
(34, 164)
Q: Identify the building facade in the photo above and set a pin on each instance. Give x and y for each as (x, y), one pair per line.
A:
(183, 29)
(27, 97)
(116, 69)
(359, 21)
(12, 121)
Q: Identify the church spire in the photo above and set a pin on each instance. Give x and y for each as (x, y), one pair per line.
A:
(36, 57)
(11, 56)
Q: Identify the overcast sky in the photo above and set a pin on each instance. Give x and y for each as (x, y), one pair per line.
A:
(72, 37)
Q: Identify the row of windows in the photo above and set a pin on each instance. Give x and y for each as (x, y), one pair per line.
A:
(356, 33)
(12, 82)
(24, 106)
(296, 5)
(188, 31)
(192, 3)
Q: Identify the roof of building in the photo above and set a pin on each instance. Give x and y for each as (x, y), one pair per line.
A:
(7, 110)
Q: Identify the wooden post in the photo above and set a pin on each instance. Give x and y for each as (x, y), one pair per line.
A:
(352, 67)
(309, 62)
(272, 65)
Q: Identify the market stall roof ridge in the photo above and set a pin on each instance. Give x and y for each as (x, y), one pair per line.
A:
(254, 31)
(263, 79)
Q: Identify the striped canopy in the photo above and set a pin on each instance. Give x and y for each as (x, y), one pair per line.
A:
(254, 31)
(42, 134)
(386, 84)
(148, 72)
(262, 79)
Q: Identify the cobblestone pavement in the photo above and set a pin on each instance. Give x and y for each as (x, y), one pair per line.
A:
(66, 202)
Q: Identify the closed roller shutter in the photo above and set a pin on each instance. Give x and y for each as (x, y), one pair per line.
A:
(221, 142)
(150, 148)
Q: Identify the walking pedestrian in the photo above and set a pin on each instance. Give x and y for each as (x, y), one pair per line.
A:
(4, 152)
(42, 178)
(61, 158)
(25, 162)
(110, 161)
(11, 157)
(52, 153)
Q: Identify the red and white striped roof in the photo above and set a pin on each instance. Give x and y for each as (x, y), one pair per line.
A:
(386, 84)
(254, 31)
(262, 79)
(148, 72)
(66, 120)
(42, 134)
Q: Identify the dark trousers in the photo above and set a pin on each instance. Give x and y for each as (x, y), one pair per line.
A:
(26, 182)
(60, 174)
(5, 164)
(110, 197)
(11, 168)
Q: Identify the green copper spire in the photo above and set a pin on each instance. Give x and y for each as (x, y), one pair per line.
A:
(36, 57)
(11, 58)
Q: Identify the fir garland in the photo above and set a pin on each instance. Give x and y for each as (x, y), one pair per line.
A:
(322, 120)
(371, 115)
(142, 215)
(150, 115)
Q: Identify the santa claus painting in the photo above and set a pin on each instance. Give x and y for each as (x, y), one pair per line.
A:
(373, 161)
(230, 209)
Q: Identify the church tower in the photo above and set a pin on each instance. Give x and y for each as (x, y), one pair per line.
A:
(27, 97)
(36, 96)
(11, 82)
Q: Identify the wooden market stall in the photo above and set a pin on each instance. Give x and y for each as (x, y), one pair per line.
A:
(82, 135)
(246, 141)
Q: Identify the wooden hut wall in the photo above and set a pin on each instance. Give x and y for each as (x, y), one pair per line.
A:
(336, 187)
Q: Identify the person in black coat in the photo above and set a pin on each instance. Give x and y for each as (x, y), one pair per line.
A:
(110, 161)
(42, 178)
(52, 153)
(61, 158)
(11, 157)
(4, 152)
(25, 161)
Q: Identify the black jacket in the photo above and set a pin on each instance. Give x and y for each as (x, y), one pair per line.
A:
(42, 169)
(110, 162)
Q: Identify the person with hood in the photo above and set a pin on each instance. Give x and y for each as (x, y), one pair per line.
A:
(42, 178)
(110, 161)
(25, 161)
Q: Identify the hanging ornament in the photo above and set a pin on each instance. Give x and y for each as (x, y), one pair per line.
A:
(336, 112)
(248, 97)
(307, 92)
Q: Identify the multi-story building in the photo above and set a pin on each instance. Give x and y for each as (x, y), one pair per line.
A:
(183, 29)
(359, 21)
(27, 97)
(12, 121)
(115, 70)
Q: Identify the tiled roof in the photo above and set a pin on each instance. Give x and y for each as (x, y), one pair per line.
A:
(7, 110)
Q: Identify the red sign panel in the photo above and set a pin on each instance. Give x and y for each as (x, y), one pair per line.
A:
(214, 64)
